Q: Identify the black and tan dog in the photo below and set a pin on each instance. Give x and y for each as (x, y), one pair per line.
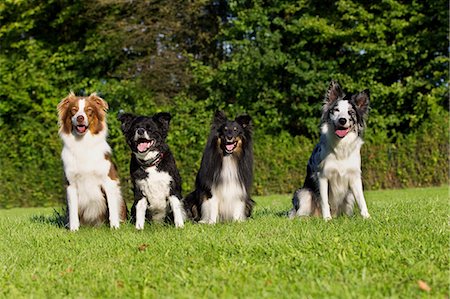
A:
(223, 183)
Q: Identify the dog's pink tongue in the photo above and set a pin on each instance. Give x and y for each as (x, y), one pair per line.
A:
(230, 147)
(342, 132)
(81, 129)
(143, 146)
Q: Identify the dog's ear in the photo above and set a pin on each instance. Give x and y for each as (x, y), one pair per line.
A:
(64, 104)
(162, 119)
(101, 103)
(125, 119)
(244, 120)
(362, 101)
(63, 112)
(333, 93)
(219, 117)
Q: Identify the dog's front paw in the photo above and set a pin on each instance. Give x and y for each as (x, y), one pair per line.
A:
(74, 226)
(74, 229)
(207, 221)
(179, 224)
(365, 215)
(115, 225)
(139, 226)
(327, 218)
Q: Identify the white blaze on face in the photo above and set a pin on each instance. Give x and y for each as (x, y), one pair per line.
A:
(81, 106)
(341, 110)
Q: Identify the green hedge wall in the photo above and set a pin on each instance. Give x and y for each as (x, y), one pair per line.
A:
(31, 170)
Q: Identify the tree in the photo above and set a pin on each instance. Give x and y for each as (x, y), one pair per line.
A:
(280, 56)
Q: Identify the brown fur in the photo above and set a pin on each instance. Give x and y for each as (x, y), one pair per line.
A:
(95, 110)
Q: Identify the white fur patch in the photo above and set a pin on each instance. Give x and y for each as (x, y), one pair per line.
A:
(147, 156)
(156, 189)
(227, 202)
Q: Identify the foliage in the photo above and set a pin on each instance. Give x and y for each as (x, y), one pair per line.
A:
(282, 54)
(268, 256)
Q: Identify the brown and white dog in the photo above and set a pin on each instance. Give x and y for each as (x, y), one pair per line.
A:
(93, 191)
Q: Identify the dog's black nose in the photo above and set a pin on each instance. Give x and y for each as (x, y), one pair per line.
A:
(80, 118)
(342, 121)
(140, 131)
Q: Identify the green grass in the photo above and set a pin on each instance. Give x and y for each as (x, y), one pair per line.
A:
(406, 240)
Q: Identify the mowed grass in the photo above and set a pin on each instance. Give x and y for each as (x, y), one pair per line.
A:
(406, 241)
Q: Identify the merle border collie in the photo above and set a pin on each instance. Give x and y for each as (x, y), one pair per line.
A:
(333, 180)
(223, 182)
(93, 190)
(156, 180)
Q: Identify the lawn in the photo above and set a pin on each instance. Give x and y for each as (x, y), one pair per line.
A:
(399, 253)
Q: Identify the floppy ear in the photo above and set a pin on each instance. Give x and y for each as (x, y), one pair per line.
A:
(101, 103)
(362, 101)
(333, 93)
(126, 120)
(65, 103)
(244, 120)
(162, 119)
(63, 108)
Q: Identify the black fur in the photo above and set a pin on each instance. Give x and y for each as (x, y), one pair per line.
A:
(211, 164)
(157, 128)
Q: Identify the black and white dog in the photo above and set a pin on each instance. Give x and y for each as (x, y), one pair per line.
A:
(333, 179)
(156, 180)
(225, 177)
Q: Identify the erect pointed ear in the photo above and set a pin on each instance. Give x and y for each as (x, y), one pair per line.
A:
(101, 103)
(163, 120)
(219, 117)
(244, 120)
(333, 93)
(126, 119)
(362, 101)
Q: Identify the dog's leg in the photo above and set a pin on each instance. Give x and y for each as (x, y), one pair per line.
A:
(178, 211)
(356, 187)
(349, 203)
(323, 188)
(210, 210)
(303, 199)
(141, 208)
(72, 204)
(239, 211)
(113, 198)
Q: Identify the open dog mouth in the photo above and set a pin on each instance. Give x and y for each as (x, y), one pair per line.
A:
(144, 145)
(230, 146)
(342, 132)
(81, 129)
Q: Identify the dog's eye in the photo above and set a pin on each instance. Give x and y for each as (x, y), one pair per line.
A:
(89, 111)
(74, 110)
(335, 110)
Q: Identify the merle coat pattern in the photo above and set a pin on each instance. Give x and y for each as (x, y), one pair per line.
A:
(223, 182)
(156, 180)
(333, 180)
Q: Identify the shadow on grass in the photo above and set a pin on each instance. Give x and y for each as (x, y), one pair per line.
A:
(270, 212)
(57, 219)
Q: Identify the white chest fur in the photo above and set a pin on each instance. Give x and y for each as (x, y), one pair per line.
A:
(341, 165)
(229, 192)
(156, 189)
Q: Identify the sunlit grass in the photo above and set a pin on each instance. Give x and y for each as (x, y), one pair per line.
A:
(268, 256)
